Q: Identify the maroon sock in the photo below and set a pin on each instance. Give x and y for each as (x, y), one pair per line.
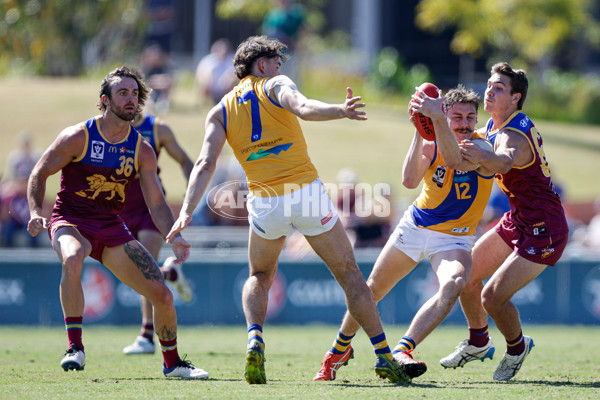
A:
(169, 351)
(148, 331)
(479, 337)
(74, 327)
(515, 347)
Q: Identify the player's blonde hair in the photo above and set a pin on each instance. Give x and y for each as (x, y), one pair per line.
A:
(462, 95)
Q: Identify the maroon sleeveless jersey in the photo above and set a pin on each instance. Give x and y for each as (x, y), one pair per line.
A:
(535, 206)
(95, 184)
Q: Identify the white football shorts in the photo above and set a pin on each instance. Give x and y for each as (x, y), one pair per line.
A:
(418, 243)
(308, 209)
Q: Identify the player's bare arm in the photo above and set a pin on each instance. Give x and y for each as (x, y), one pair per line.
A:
(203, 170)
(167, 140)
(433, 108)
(314, 110)
(512, 150)
(161, 213)
(68, 146)
(417, 160)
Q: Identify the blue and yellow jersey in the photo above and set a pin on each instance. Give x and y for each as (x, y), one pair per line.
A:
(148, 128)
(451, 201)
(266, 139)
(95, 183)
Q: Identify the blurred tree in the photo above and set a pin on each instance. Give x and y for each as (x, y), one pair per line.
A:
(61, 37)
(255, 10)
(390, 73)
(527, 30)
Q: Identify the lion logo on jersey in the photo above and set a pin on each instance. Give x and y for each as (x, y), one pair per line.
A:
(98, 184)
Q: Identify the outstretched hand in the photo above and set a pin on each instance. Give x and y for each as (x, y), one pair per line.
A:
(179, 225)
(350, 107)
(181, 249)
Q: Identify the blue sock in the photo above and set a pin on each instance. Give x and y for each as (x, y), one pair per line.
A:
(255, 333)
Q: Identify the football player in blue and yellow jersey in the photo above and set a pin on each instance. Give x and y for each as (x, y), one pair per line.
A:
(259, 120)
(440, 224)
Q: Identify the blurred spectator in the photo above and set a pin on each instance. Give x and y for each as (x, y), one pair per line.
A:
(588, 236)
(155, 63)
(345, 199)
(161, 25)
(215, 74)
(285, 21)
(365, 227)
(14, 209)
(373, 230)
(592, 234)
(214, 209)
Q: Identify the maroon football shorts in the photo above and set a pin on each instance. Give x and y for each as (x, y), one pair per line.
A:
(103, 233)
(541, 249)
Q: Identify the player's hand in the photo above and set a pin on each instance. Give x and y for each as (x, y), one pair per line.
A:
(36, 224)
(350, 107)
(411, 113)
(179, 225)
(181, 249)
(428, 106)
(471, 152)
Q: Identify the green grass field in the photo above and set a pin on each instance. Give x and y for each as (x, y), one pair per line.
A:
(374, 148)
(564, 364)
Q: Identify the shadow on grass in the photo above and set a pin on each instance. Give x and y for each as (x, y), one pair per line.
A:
(150, 378)
(566, 383)
(348, 384)
(491, 384)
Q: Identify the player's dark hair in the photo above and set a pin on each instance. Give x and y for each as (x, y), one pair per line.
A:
(518, 80)
(462, 95)
(124, 72)
(253, 48)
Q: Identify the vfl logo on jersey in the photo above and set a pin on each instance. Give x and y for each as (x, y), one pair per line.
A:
(273, 150)
(97, 154)
(439, 175)
(524, 122)
(99, 184)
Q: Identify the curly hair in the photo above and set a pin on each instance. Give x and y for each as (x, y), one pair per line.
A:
(253, 48)
(462, 95)
(124, 72)
(518, 80)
